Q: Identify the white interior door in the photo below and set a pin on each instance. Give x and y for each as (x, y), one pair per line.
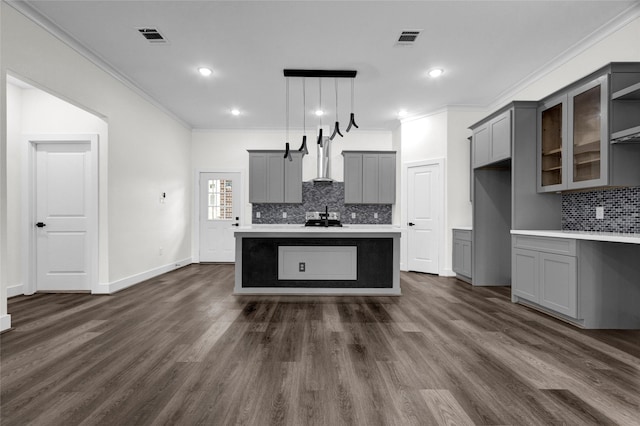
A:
(62, 212)
(425, 202)
(219, 215)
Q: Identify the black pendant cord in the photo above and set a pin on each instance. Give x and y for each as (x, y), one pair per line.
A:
(352, 117)
(336, 129)
(287, 154)
(303, 147)
(320, 116)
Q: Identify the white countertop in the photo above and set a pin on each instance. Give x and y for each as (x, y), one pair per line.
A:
(345, 229)
(463, 228)
(613, 237)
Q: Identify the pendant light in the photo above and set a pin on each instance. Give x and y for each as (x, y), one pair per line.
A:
(336, 129)
(352, 119)
(303, 147)
(320, 112)
(287, 153)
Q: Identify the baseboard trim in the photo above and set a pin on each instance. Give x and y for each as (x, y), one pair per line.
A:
(297, 291)
(121, 284)
(15, 290)
(5, 322)
(447, 273)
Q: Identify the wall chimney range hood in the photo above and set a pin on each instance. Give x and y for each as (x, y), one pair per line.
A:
(324, 161)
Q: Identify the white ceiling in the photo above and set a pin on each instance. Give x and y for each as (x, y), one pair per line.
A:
(485, 47)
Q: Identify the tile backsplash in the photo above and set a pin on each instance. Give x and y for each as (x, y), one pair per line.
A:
(314, 198)
(621, 210)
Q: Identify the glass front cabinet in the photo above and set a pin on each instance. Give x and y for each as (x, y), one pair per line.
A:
(573, 138)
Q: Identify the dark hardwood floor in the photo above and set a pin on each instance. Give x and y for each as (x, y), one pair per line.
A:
(180, 349)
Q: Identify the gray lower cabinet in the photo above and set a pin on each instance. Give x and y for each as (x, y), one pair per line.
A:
(591, 284)
(462, 254)
(274, 179)
(369, 177)
(544, 272)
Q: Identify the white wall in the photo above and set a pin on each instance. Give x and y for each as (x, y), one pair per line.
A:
(148, 150)
(5, 318)
(227, 149)
(622, 45)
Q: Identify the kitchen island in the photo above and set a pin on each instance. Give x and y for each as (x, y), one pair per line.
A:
(294, 259)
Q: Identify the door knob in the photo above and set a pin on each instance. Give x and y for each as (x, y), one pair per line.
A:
(235, 224)
(412, 224)
(40, 225)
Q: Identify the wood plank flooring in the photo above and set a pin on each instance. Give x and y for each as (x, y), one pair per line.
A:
(180, 349)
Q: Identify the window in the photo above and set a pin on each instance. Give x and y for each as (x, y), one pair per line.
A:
(220, 199)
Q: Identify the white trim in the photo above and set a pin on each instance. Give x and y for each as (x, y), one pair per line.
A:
(304, 291)
(604, 31)
(15, 290)
(195, 223)
(132, 280)
(447, 273)
(441, 162)
(29, 143)
(5, 322)
(39, 19)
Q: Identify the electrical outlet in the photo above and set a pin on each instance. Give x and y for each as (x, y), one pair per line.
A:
(258, 215)
(375, 215)
(353, 215)
(161, 251)
(302, 266)
(284, 215)
(599, 212)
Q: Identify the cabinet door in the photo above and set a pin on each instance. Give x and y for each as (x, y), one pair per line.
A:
(558, 283)
(387, 178)
(257, 178)
(500, 137)
(588, 135)
(293, 179)
(370, 176)
(481, 146)
(525, 268)
(275, 178)
(353, 178)
(466, 258)
(552, 145)
(458, 259)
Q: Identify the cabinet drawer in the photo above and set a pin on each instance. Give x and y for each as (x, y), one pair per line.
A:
(564, 246)
(462, 234)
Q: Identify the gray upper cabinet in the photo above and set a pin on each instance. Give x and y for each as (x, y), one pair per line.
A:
(273, 179)
(500, 131)
(576, 126)
(492, 140)
(352, 178)
(369, 177)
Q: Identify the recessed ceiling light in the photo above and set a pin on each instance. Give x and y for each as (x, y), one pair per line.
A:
(319, 112)
(206, 72)
(402, 113)
(436, 72)
(235, 111)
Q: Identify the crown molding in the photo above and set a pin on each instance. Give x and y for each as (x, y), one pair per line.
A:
(615, 24)
(23, 7)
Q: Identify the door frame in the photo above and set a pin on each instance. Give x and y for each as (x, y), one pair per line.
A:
(29, 259)
(441, 163)
(195, 228)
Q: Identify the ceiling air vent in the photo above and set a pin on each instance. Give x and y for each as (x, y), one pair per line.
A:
(408, 37)
(152, 35)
